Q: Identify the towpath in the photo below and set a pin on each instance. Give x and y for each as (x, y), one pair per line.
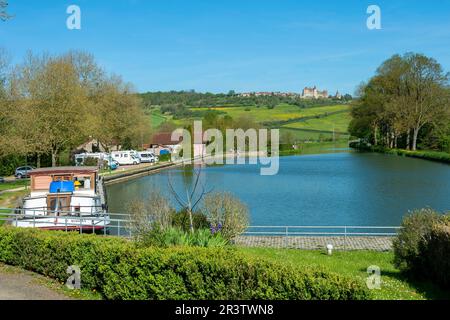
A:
(16, 284)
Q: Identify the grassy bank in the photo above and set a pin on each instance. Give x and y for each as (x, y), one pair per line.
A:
(438, 156)
(354, 264)
(316, 148)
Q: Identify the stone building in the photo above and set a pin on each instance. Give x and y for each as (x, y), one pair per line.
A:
(314, 93)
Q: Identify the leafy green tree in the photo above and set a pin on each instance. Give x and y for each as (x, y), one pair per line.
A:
(407, 94)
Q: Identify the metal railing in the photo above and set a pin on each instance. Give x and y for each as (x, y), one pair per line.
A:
(344, 232)
(322, 231)
(118, 224)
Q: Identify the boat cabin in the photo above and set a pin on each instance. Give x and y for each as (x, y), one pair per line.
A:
(64, 190)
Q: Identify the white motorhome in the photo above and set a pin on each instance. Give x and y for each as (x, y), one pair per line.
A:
(126, 157)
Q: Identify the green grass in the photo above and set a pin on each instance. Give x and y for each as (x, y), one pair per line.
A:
(339, 122)
(303, 135)
(157, 119)
(394, 285)
(9, 200)
(14, 184)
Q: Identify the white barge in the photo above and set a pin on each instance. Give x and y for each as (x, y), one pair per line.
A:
(65, 198)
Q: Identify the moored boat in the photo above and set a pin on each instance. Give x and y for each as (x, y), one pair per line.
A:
(65, 198)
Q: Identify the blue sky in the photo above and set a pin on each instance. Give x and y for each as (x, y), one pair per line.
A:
(219, 45)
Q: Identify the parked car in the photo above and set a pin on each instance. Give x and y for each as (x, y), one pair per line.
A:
(147, 157)
(2, 180)
(23, 172)
(112, 164)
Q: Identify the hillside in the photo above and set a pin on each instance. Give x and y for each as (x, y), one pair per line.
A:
(303, 124)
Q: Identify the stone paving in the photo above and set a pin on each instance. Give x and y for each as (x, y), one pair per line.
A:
(378, 243)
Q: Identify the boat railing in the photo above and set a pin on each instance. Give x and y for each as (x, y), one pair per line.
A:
(117, 224)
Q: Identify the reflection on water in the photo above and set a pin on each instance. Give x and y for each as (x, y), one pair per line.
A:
(327, 189)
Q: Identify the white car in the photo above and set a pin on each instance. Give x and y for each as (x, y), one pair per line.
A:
(147, 157)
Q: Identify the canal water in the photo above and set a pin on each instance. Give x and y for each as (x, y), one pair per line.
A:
(345, 188)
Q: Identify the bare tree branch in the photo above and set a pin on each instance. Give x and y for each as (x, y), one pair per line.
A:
(193, 196)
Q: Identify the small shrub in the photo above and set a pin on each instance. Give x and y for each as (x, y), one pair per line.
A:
(435, 254)
(155, 212)
(181, 220)
(90, 162)
(165, 157)
(226, 214)
(176, 237)
(415, 230)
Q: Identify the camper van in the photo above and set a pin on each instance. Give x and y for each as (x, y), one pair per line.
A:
(147, 157)
(126, 157)
(110, 163)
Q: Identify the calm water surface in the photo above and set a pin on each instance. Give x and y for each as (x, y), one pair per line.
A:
(328, 189)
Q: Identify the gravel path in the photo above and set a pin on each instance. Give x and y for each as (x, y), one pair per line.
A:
(378, 243)
(16, 284)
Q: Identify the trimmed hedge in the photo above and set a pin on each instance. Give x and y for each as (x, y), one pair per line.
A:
(118, 270)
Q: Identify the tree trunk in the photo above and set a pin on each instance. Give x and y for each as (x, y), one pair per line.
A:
(38, 161)
(408, 140)
(191, 222)
(54, 156)
(395, 141)
(414, 143)
(375, 135)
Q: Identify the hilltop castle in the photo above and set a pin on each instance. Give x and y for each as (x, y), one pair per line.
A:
(309, 93)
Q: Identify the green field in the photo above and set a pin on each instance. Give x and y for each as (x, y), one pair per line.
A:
(301, 135)
(282, 112)
(394, 286)
(319, 128)
(156, 119)
(339, 122)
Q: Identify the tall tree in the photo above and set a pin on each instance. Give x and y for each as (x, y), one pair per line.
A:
(407, 93)
(117, 115)
(57, 105)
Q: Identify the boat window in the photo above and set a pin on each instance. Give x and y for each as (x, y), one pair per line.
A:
(62, 178)
(58, 205)
(83, 183)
